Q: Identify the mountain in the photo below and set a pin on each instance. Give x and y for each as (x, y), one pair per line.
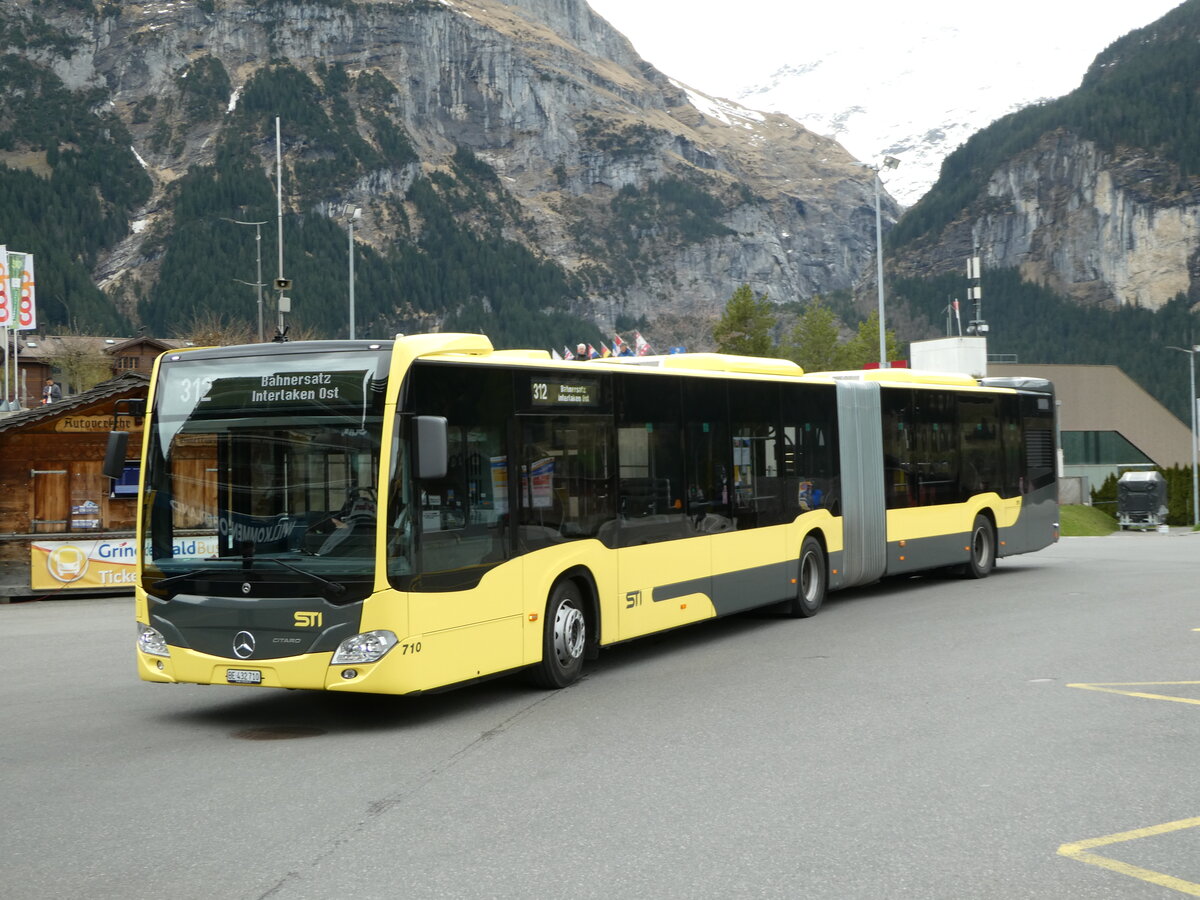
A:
(1080, 207)
(917, 83)
(912, 114)
(518, 168)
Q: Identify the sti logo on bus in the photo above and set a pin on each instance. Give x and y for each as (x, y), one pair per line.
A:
(632, 599)
(308, 620)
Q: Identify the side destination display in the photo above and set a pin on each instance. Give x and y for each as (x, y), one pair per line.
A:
(564, 392)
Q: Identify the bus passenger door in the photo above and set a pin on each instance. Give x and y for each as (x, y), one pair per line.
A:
(663, 519)
(749, 558)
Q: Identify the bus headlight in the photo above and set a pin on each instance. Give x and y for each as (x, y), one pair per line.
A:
(367, 647)
(150, 640)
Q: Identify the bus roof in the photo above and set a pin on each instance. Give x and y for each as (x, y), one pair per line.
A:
(710, 362)
(905, 376)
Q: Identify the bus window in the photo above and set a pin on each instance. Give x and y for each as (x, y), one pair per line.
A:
(460, 519)
(566, 479)
(400, 533)
(899, 468)
(650, 453)
(809, 462)
(708, 477)
(935, 447)
(757, 486)
(980, 443)
(1010, 429)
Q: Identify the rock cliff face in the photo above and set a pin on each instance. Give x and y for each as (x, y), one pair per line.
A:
(543, 91)
(1103, 229)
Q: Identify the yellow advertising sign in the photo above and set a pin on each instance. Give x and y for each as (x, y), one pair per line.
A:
(82, 565)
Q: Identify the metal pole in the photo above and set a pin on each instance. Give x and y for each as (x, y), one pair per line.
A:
(1195, 484)
(258, 282)
(5, 406)
(262, 335)
(351, 277)
(279, 212)
(883, 360)
(1195, 348)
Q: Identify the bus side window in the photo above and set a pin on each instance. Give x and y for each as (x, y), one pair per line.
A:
(809, 453)
(979, 438)
(651, 489)
(898, 464)
(705, 406)
(758, 489)
(565, 479)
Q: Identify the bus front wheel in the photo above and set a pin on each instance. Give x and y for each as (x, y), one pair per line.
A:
(983, 549)
(564, 637)
(812, 582)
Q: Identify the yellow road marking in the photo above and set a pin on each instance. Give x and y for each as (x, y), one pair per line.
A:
(1110, 688)
(1079, 850)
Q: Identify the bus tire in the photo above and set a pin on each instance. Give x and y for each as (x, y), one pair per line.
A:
(564, 638)
(812, 581)
(983, 549)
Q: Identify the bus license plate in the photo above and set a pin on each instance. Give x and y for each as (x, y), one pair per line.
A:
(243, 676)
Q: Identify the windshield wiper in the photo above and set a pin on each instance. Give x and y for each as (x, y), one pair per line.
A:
(180, 577)
(332, 586)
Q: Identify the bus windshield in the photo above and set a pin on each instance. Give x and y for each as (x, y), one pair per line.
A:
(262, 469)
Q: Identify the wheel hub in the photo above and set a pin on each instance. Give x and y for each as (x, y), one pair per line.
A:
(569, 631)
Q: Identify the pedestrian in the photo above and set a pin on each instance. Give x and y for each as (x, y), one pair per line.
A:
(51, 392)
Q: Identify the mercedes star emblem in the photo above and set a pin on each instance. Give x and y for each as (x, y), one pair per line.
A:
(243, 645)
(245, 587)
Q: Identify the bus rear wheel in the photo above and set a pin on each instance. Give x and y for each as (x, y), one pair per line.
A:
(812, 582)
(983, 549)
(564, 637)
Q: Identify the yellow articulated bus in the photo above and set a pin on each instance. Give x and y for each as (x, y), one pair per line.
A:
(403, 516)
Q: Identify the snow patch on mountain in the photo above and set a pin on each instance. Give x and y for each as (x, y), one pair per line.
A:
(923, 100)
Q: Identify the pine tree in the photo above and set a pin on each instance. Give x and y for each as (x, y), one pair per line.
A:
(813, 340)
(745, 327)
(863, 348)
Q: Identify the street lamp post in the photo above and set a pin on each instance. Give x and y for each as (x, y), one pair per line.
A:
(1192, 403)
(889, 162)
(258, 282)
(355, 214)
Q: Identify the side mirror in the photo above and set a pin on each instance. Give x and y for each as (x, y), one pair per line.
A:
(114, 453)
(429, 437)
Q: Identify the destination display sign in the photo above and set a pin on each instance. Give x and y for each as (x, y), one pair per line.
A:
(564, 391)
(208, 395)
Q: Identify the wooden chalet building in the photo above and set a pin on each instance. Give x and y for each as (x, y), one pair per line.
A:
(65, 526)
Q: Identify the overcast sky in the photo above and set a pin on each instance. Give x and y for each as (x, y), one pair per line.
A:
(722, 48)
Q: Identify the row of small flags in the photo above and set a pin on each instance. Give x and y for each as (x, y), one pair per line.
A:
(620, 347)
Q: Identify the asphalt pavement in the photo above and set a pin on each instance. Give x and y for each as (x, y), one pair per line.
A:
(1030, 735)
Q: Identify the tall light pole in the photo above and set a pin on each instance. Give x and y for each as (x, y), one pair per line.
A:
(258, 282)
(283, 304)
(889, 162)
(1192, 403)
(351, 216)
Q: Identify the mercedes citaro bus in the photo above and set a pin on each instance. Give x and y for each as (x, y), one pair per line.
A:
(403, 516)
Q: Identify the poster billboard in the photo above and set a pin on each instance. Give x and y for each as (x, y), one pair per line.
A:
(98, 564)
